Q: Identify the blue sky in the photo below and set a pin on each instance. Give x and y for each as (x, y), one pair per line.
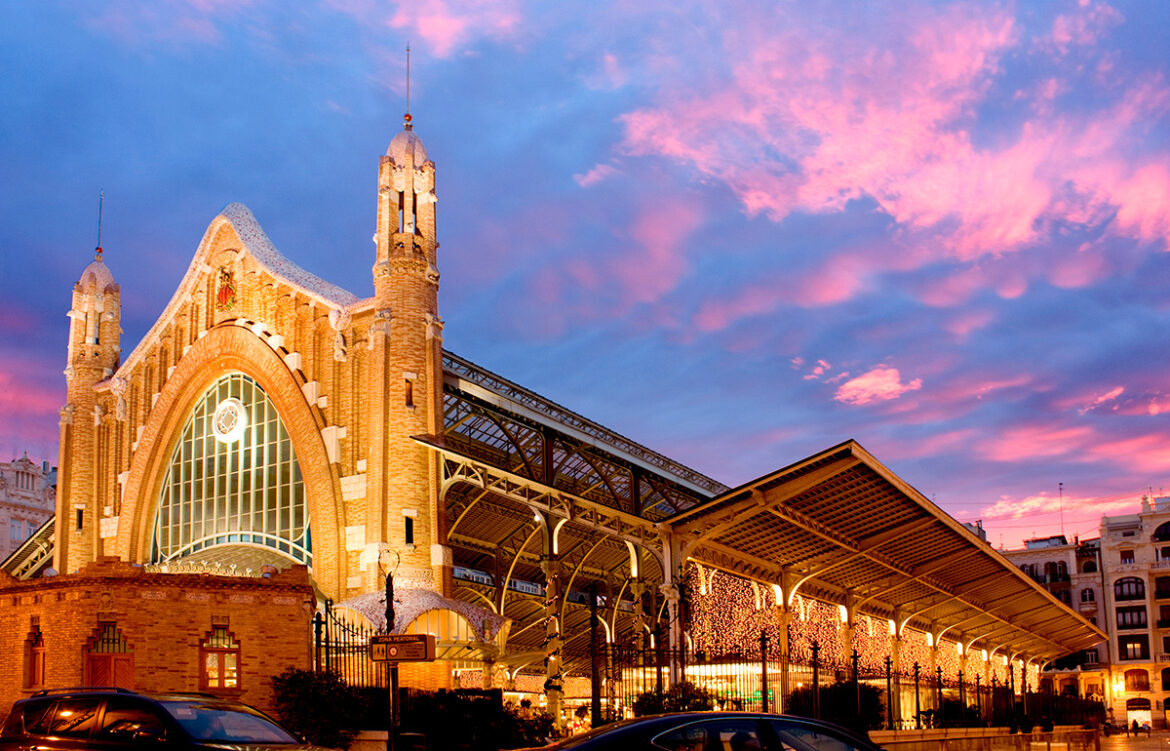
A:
(735, 232)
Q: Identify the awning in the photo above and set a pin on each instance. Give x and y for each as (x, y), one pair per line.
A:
(842, 528)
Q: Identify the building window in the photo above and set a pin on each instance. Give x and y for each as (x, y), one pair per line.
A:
(1162, 586)
(1089, 567)
(1162, 533)
(34, 659)
(1166, 644)
(1133, 647)
(1126, 557)
(1131, 617)
(1087, 595)
(220, 661)
(1129, 588)
(1089, 657)
(1064, 596)
(109, 661)
(233, 478)
(1137, 680)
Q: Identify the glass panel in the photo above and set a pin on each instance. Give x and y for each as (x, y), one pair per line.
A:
(74, 718)
(229, 670)
(124, 719)
(220, 485)
(796, 736)
(211, 668)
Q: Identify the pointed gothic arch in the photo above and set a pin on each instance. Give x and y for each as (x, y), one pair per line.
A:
(231, 347)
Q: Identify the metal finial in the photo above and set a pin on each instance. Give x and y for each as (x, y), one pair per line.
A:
(408, 118)
(101, 201)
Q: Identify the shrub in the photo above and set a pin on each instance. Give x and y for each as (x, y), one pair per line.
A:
(839, 705)
(681, 697)
(318, 706)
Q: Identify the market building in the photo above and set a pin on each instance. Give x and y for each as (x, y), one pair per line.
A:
(270, 419)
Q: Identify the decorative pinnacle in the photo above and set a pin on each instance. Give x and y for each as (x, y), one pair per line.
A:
(406, 124)
(101, 201)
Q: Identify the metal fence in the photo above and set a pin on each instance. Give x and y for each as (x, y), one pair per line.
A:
(344, 648)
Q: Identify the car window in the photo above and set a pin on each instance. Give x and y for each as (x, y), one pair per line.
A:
(71, 718)
(230, 723)
(127, 719)
(691, 737)
(725, 734)
(37, 716)
(800, 737)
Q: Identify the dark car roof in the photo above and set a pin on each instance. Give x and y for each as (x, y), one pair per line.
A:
(650, 725)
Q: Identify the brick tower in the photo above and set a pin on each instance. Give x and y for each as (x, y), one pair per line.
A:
(95, 330)
(405, 388)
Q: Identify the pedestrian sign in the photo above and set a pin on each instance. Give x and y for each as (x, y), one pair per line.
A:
(402, 648)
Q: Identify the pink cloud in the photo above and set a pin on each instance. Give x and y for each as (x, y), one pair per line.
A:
(1144, 453)
(1083, 26)
(1028, 443)
(446, 27)
(883, 383)
(966, 323)
(170, 21)
(657, 261)
(1105, 398)
(811, 119)
(595, 175)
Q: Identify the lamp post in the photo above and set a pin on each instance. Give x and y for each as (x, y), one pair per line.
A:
(393, 678)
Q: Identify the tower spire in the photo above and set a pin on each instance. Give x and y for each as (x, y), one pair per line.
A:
(101, 202)
(407, 118)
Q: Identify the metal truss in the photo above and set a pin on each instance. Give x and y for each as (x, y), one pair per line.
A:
(464, 376)
(597, 517)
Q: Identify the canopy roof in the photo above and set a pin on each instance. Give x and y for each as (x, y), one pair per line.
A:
(841, 527)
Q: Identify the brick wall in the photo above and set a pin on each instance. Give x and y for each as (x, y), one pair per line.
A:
(164, 618)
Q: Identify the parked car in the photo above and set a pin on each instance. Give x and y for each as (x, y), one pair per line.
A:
(717, 731)
(121, 720)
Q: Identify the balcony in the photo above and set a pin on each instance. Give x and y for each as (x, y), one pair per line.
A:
(1087, 607)
(1163, 657)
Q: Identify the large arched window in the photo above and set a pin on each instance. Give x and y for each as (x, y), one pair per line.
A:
(1129, 588)
(1162, 533)
(233, 478)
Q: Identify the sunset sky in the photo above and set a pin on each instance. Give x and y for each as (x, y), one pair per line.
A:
(736, 232)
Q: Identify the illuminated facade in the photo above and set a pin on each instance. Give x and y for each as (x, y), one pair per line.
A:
(1120, 582)
(270, 418)
(27, 492)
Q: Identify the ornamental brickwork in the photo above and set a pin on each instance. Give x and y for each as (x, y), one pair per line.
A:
(353, 380)
(161, 618)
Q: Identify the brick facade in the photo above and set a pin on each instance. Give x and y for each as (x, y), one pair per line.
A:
(164, 619)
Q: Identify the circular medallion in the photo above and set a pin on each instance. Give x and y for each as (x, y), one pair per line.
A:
(229, 421)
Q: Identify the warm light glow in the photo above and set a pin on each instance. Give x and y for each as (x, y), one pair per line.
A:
(893, 628)
(959, 648)
(843, 612)
(984, 654)
(930, 640)
(230, 420)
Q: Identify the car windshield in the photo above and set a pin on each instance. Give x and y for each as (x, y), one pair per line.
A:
(231, 723)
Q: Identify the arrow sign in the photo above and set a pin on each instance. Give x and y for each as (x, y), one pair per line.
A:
(402, 648)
